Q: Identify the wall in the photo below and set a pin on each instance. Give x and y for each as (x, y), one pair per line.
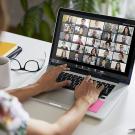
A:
(15, 10)
(130, 10)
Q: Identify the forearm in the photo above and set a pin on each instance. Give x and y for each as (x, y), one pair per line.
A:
(26, 92)
(68, 122)
(64, 126)
(38, 127)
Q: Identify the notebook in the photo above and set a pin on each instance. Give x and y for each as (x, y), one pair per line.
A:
(6, 48)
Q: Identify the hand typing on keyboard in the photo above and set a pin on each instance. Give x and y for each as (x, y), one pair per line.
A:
(76, 79)
(88, 90)
(48, 82)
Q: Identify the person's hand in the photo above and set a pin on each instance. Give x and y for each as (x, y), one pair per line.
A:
(48, 80)
(88, 90)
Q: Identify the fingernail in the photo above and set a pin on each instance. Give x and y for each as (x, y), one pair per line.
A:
(88, 78)
(69, 82)
(68, 69)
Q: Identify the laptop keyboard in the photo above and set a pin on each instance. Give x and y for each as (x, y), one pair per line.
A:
(75, 80)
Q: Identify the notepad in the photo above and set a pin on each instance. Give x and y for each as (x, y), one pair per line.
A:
(6, 48)
(96, 106)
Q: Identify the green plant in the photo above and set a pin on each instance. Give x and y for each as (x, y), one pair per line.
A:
(115, 7)
(86, 5)
(39, 21)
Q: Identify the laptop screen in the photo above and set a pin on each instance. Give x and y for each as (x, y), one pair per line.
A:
(94, 41)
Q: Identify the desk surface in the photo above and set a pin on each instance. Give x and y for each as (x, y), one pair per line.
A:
(122, 116)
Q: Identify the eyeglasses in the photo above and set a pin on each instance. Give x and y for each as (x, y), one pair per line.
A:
(29, 66)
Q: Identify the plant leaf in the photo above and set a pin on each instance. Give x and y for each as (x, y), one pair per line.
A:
(45, 31)
(48, 11)
(32, 19)
(85, 5)
(19, 29)
(64, 3)
(24, 4)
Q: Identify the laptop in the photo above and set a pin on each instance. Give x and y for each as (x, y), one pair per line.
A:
(96, 45)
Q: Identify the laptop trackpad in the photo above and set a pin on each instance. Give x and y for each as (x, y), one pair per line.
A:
(63, 97)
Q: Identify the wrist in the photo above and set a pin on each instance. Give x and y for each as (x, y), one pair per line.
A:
(82, 103)
(38, 87)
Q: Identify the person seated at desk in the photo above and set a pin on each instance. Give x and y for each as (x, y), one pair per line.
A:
(14, 120)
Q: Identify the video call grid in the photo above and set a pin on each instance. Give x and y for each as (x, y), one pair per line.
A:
(95, 42)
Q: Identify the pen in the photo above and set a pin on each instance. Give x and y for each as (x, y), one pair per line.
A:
(15, 52)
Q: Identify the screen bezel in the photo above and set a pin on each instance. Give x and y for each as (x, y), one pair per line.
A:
(123, 77)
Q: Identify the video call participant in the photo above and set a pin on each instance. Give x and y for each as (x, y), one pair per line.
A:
(106, 54)
(105, 63)
(79, 40)
(83, 21)
(69, 20)
(83, 27)
(124, 40)
(93, 41)
(107, 45)
(114, 28)
(109, 37)
(66, 27)
(126, 31)
(81, 31)
(118, 67)
(94, 52)
(80, 49)
(76, 58)
(64, 50)
(97, 27)
(94, 34)
(107, 27)
(90, 60)
(64, 47)
(67, 37)
(122, 48)
(71, 28)
(121, 57)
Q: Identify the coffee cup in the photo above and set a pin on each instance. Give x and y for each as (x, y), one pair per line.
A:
(5, 77)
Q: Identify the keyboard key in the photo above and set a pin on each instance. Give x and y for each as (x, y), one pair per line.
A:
(107, 90)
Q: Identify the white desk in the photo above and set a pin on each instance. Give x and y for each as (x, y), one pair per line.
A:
(121, 116)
